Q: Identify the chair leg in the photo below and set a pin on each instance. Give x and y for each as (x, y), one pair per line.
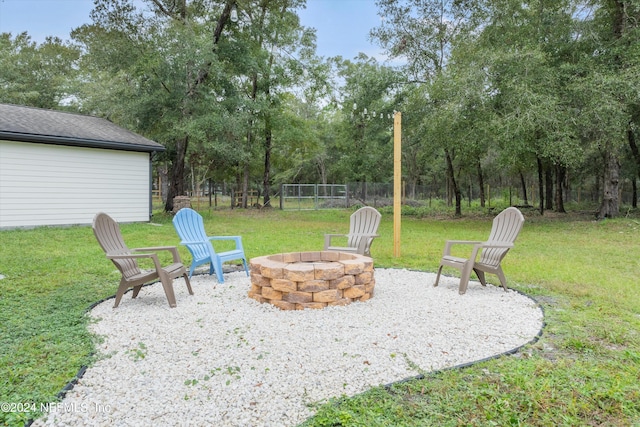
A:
(167, 285)
(481, 277)
(438, 276)
(218, 269)
(119, 293)
(503, 280)
(464, 277)
(136, 291)
(188, 282)
(246, 269)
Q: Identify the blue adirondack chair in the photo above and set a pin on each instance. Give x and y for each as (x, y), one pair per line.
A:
(190, 227)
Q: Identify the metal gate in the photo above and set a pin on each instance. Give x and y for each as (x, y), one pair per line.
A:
(313, 196)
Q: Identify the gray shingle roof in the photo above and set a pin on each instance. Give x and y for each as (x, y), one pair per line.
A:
(28, 124)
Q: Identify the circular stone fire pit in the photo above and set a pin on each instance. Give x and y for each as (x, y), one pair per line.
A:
(300, 280)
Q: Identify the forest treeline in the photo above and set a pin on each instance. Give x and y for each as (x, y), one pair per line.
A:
(544, 92)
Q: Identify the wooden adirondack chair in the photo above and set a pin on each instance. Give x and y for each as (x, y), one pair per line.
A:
(108, 234)
(363, 226)
(506, 227)
(190, 227)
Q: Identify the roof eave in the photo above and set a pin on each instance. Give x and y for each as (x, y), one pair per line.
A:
(78, 142)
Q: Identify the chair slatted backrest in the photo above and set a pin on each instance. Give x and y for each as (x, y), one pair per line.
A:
(506, 227)
(190, 227)
(362, 224)
(107, 232)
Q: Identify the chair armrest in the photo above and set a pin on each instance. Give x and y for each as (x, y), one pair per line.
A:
(328, 237)
(126, 256)
(172, 249)
(449, 243)
(237, 239)
(152, 256)
(224, 237)
(153, 249)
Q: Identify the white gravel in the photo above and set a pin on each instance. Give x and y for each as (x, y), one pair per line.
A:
(223, 359)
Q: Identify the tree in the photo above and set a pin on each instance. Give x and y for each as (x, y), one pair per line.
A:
(424, 32)
(619, 65)
(365, 134)
(159, 71)
(36, 75)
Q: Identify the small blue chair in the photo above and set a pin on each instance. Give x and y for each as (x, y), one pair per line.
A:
(190, 227)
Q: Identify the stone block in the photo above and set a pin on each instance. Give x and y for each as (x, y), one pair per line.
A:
(365, 297)
(368, 287)
(355, 291)
(314, 305)
(330, 295)
(284, 305)
(343, 282)
(180, 202)
(256, 263)
(272, 269)
(299, 272)
(340, 302)
(313, 286)
(291, 257)
(346, 256)
(329, 256)
(310, 256)
(284, 285)
(364, 278)
(352, 266)
(328, 270)
(298, 297)
(271, 294)
(260, 280)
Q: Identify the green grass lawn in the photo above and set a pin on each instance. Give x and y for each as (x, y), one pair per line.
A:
(584, 370)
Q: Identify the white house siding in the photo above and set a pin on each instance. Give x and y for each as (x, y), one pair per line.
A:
(44, 184)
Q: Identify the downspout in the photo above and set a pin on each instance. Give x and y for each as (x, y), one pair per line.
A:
(151, 155)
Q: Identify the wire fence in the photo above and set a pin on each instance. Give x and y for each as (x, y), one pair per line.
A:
(331, 196)
(317, 196)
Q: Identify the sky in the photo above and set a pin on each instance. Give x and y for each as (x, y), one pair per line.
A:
(342, 25)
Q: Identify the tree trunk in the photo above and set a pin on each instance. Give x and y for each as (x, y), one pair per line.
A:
(540, 185)
(267, 161)
(636, 156)
(176, 183)
(560, 175)
(523, 183)
(481, 183)
(454, 185)
(548, 187)
(610, 207)
(245, 185)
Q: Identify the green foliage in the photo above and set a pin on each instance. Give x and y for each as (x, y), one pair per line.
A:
(491, 92)
(584, 368)
(36, 75)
